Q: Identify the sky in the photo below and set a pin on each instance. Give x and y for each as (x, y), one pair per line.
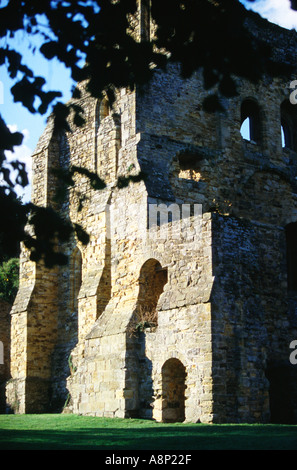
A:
(58, 78)
(17, 117)
(276, 11)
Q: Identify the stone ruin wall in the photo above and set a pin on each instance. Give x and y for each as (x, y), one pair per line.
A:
(249, 188)
(4, 350)
(224, 315)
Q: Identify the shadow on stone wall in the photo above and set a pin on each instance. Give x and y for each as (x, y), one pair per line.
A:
(254, 381)
(5, 351)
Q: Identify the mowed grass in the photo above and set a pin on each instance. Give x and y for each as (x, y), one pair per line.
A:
(72, 432)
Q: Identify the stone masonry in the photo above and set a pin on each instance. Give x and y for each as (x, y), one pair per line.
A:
(4, 350)
(190, 320)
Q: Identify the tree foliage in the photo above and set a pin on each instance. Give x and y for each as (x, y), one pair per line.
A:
(93, 39)
(9, 279)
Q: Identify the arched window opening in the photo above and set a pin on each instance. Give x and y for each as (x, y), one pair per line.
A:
(283, 136)
(291, 248)
(281, 401)
(287, 137)
(250, 121)
(104, 109)
(104, 287)
(76, 278)
(173, 391)
(288, 125)
(152, 280)
(245, 129)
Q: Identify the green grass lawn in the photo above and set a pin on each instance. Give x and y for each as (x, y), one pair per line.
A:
(72, 432)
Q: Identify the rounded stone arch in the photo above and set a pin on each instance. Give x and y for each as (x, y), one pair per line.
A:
(174, 375)
(102, 110)
(288, 114)
(251, 120)
(152, 279)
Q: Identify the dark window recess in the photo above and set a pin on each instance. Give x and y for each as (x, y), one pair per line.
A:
(152, 280)
(288, 125)
(173, 391)
(250, 117)
(291, 242)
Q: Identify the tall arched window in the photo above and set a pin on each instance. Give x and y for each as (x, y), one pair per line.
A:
(102, 111)
(288, 125)
(104, 108)
(251, 121)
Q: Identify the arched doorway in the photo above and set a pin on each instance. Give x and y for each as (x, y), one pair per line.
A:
(173, 391)
(281, 401)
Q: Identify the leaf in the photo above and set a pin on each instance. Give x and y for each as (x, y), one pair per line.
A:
(8, 139)
(124, 181)
(81, 234)
(212, 104)
(78, 118)
(22, 176)
(227, 87)
(61, 113)
(49, 49)
(95, 180)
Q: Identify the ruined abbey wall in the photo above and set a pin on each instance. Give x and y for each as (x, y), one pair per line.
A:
(193, 323)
